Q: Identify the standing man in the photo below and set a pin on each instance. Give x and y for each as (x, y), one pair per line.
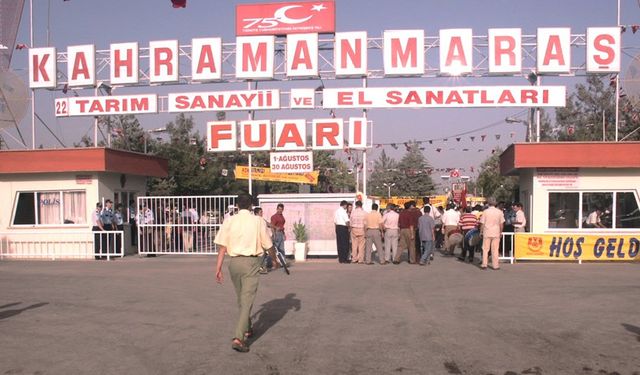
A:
(341, 221)
(108, 219)
(277, 227)
(450, 220)
(492, 224)
(468, 222)
(244, 237)
(415, 216)
(407, 235)
(427, 231)
(391, 234)
(373, 222)
(119, 221)
(145, 218)
(132, 222)
(357, 223)
(96, 221)
(520, 221)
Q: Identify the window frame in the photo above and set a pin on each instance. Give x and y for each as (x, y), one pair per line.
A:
(36, 211)
(614, 197)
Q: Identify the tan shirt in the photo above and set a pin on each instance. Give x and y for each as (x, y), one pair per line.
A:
(244, 234)
(357, 218)
(373, 220)
(492, 220)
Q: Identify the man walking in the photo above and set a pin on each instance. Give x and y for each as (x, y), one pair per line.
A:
(427, 231)
(357, 222)
(391, 233)
(492, 224)
(341, 222)
(373, 222)
(244, 237)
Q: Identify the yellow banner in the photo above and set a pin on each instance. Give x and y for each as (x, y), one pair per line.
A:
(576, 246)
(264, 174)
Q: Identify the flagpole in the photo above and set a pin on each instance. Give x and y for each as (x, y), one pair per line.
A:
(618, 81)
(33, 91)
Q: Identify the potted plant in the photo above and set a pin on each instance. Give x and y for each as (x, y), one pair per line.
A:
(300, 233)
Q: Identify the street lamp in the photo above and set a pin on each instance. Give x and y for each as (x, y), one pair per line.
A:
(150, 131)
(388, 186)
(513, 120)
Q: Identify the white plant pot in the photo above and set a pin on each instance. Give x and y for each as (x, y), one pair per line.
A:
(300, 253)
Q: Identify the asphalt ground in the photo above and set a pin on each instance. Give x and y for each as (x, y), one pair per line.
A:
(167, 315)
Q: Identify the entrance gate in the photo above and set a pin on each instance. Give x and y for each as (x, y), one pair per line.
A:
(181, 224)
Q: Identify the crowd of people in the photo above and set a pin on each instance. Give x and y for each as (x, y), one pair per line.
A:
(421, 231)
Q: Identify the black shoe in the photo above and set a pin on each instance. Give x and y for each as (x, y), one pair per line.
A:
(396, 263)
(461, 259)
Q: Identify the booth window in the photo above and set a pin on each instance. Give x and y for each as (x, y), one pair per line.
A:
(627, 213)
(50, 208)
(564, 210)
(576, 210)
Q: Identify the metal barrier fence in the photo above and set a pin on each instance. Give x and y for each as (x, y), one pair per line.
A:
(39, 244)
(507, 246)
(181, 224)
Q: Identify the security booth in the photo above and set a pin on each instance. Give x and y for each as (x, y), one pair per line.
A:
(51, 194)
(581, 199)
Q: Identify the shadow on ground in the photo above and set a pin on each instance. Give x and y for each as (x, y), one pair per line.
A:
(10, 313)
(271, 312)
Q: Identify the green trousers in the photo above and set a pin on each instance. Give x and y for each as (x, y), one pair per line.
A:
(244, 273)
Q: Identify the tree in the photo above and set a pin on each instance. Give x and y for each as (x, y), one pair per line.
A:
(587, 108)
(385, 171)
(129, 134)
(334, 176)
(491, 183)
(189, 173)
(414, 179)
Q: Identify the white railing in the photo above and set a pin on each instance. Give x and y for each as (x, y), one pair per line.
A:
(49, 244)
(181, 224)
(507, 247)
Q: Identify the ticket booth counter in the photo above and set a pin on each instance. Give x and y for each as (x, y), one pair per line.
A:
(49, 196)
(580, 198)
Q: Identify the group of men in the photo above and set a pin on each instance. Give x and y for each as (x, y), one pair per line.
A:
(420, 231)
(106, 219)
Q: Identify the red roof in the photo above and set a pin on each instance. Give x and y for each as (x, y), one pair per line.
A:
(570, 155)
(82, 160)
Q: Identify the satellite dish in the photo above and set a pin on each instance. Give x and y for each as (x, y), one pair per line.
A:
(631, 80)
(14, 99)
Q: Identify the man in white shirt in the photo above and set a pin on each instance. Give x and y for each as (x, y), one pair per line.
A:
(341, 221)
(593, 220)
(450, 221)
(521, 220)
(391, 233)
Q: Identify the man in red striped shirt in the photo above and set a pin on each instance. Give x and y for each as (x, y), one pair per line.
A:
(468, 221)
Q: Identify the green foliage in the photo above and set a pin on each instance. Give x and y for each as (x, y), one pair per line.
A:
(334, 176)
(300, 231)
(491, 183)
(584, 112)
(385, 171)
(131, 136)
(413, 179)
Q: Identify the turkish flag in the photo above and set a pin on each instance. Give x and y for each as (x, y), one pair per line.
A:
(179, 3)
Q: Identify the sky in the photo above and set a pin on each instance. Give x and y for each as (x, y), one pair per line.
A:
(63, 23)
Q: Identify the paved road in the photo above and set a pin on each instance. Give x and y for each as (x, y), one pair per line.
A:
(166, 315)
